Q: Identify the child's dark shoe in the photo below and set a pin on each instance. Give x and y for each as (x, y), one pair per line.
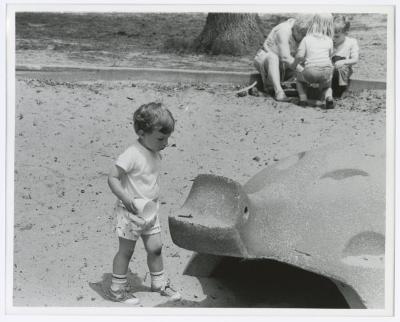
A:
(302, 103)
(122, 295)
(167, 290)
(329, 104)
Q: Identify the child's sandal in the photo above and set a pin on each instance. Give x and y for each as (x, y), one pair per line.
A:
(167, 290)
(122, 296)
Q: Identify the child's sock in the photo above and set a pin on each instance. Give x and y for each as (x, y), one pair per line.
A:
(118, 282)
(157, 279)
(328, 93)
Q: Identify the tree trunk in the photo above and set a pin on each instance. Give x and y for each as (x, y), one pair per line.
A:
(230, 34)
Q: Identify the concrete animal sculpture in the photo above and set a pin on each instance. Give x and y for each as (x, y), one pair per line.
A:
(321, 210)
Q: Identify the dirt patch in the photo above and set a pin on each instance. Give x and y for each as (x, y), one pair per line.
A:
(66, 138)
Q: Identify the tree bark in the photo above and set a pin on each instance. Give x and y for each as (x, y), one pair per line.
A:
(230, 34)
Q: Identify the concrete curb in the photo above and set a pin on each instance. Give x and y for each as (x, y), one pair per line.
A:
(88, 73)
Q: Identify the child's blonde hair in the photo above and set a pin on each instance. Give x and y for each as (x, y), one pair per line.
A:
(321, 25)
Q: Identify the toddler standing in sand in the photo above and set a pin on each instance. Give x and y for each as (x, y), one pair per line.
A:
(345, 54)
(135, 175)
(315, 50)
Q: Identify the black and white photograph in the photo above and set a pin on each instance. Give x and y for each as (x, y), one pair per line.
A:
(200, 157)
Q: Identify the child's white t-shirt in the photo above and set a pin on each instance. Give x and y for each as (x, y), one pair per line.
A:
(347, 49)
(317, 50)
(142, 168)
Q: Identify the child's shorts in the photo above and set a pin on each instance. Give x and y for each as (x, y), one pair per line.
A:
(321, 75)
(341, 76)
(127, 229)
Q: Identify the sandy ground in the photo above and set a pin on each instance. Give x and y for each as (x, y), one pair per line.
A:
(67, 136)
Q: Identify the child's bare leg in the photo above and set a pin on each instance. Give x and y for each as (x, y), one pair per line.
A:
(327, 96)
(302, 92)
(272, 65)
(153, 246)
(327, 89)
(121, 263)
(123, 256)
(327, 93)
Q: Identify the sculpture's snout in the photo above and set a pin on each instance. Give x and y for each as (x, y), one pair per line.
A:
(209, 220)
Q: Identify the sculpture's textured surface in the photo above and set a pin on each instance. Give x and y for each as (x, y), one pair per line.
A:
(322, 210)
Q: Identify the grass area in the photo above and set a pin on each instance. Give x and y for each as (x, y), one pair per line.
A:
(108, 32)
(141, 39)
(135, 31)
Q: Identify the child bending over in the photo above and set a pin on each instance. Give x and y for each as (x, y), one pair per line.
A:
(315, 51)
(345, 54)
(135, 174)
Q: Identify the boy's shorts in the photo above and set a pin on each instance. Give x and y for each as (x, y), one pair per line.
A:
(341, 76)
(127, 229)
(321, 75)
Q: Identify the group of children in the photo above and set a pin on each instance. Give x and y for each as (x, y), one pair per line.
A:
(324, 59)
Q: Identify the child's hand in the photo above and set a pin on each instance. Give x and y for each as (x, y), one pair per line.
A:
(139, 221)
(299, 68)
(340, 63)
(130, 206)
(151, 222)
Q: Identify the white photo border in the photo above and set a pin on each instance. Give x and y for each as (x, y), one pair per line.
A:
(8, 10)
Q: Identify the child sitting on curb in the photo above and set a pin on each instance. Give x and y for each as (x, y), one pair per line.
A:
(345, 54)
(275, 59)
(135, 174)
(315, 50)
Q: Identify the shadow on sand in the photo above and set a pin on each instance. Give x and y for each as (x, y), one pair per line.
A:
(251, 284)
(134, 281)
(267, 284)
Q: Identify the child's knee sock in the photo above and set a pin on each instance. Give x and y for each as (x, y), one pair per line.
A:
(157, 279)
(328, 93)
(118, 281)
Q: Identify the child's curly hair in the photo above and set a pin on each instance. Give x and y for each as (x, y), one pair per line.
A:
(341, 24)
(152, 116)
(302, 23)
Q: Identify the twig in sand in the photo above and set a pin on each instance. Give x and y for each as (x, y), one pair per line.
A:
(244, 91)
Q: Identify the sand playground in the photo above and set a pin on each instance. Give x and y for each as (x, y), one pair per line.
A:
(67, 135)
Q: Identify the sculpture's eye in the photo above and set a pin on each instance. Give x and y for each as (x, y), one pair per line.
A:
(245, 213)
